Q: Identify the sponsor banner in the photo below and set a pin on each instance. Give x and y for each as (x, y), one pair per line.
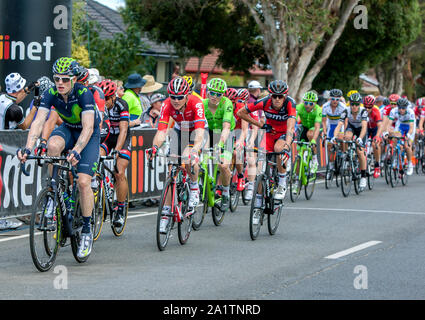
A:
(33, 34)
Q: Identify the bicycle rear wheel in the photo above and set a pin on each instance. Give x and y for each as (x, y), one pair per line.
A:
(370, 170)
(99, 211)
(184, 227)
(77, 227)
(328, 176)
(403, 175)
(198, 216)
(256, 215)
(234, 193)
(163, 237)
(44, 233)
(118, 231)
(295, 184)
(346, 178)
(274, 218)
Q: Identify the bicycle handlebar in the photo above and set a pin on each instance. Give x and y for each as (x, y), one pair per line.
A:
(69, 167)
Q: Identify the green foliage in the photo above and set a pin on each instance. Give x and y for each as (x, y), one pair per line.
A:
(392, 26)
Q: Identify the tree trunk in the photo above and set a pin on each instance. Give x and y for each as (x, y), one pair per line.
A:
(390, 75)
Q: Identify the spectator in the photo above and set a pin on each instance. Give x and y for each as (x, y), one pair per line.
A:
(150, 118)
(150, 87)
(133, 86)
(254, 88)
(120, 88)
(93, 76)
(12, 116)
(176, 71)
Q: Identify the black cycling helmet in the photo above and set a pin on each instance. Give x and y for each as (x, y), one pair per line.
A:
(403, 103)
(335, 93)
(83, 75)
(386, 102)
(278, 87)
(355, 97)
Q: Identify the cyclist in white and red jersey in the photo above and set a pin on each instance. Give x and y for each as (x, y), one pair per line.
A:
(420, 115)
(280, 112)
(187, 111)
(374, 130)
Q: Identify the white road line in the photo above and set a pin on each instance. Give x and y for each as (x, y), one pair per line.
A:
(353, 249)
(358, 210)
(15, 237)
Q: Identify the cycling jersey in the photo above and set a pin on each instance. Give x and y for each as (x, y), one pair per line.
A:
(374, 118)
(238, 106)
(354, 122)
(192, 118)
(308, 119)
(11, 115)
(223, 113)
(99, 97)
(406, 118)
(116, 114)
(333, 116)
(80, 100)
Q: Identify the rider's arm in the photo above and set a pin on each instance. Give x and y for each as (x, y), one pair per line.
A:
(28, 119)
(87, 122)
(421, 123)
(316, 131)
(290, 125)
(199, 138)
(364, 129)
(244, 131)
(243, 113)
(122, 136)
(225, 132)
(50, 124)
(36, 127)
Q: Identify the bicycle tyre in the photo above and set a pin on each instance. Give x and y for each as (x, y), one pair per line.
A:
(233, 192)
(184, 227)
(274, 219)
(346, 178)
(162, 239)
(311, 182)
(118, 231)
(99, 211)
(256, 213)
(50, 251)
(329, 173)
(77, 226)
(370, 177)
(295, 181)
(198, 216)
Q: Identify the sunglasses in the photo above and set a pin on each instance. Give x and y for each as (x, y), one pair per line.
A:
(278, 96)
(335, 99)
(309, 103)
(354, 104)
(177, 97)
(64, 79)
(215, 94)
(393, 103)
(241, 101)
(402, 108)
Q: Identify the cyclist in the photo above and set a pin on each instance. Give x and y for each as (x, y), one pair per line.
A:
(231, 94)
(80, 132)
(191, 83)
(331, 113)
(309, 115)
(245, 137)
(354, 120)
(374, 130)
(280, 112)
(118, 139)
(419, 114)
(187, 111)
(404, 119)
(221, 122)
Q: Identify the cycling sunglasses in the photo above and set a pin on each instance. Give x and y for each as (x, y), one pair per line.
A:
(215, 94)
(354, 104)
(278, 96)
(335, 99)
(64, 79)
(393, 103)
(177, 97)
(240, 101)
(309, 103)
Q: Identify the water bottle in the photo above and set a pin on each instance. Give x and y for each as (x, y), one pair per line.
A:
(67, 201)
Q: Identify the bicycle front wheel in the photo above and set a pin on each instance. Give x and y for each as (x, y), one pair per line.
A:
(119, 230)
(162, 236)
(77, 226)
(198, 215)
(234, 193)
(346, 178)
(273, 219)
(311, 181)
(99, 211)
(295, 180)
(45, 233)
(370, 170)
(184, 227)
(256, 215)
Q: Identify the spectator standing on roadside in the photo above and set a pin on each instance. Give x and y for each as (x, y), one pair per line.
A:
(151, 116)
(148, 89)
(254, 88)
(133, 87)
(120, 88)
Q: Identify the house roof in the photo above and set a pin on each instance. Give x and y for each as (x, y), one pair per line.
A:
(111, 23)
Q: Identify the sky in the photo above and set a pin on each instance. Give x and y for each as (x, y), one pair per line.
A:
(113, 4)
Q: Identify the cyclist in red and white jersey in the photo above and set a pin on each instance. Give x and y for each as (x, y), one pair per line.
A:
(280, 113)
(374, 130)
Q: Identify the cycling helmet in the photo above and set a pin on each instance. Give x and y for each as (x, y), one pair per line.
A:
(66, 66)
(217, 85)
(45, 84)
(394, 97)
(231, 93)
(278, 87)
(108, 87)
(178, 86)
(335, 93)
(420, 102)
(84, 75)
(243, 94)
(369, 100)
(355, 97)
(190, 82)
(386, 102)
(311, 96)
(403, 103)
(351, 92)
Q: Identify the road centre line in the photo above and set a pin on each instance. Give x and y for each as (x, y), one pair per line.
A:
(353, 249)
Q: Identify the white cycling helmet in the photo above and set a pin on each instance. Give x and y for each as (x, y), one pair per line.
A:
(14, 83)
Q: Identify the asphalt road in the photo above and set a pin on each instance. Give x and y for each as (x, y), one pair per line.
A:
(306, 259)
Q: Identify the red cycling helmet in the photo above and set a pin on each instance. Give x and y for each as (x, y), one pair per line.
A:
(369, 101)
(243, 94)
(178, 87)
(420, 102)
(231, 93)
(394, 97)
(278, 87)
(108, 87)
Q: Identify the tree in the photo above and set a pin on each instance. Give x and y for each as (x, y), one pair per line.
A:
(358, 50)
(293, 30)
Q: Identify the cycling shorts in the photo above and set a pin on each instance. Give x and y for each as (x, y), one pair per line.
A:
(90, 154)
(404, 130)
(111, 142)
(371, 132)
(271, 140)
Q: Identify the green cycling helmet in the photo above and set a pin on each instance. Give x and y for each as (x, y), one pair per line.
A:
(310, 96)
(217, 85)
(66, 66)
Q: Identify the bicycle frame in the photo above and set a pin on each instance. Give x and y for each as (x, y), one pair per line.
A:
(209, 186)
(306, 153)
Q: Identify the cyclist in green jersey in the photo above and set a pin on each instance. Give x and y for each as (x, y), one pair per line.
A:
(309, 114)
(219, 114)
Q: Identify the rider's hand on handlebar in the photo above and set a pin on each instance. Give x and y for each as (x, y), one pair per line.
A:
(22, 154)
(73, 158)
(267, 127)
(359, 142)
(41, 148)
(151, 152)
